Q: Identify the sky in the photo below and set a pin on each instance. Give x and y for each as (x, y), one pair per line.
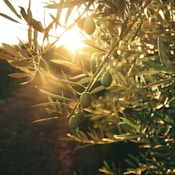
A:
(10, 31)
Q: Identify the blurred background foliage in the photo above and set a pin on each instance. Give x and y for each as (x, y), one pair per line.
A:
(133, 41)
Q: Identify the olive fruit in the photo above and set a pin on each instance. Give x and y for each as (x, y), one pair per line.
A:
(76, 120)
(106, 79)
(85, 99)
(80, 116)
(81, 22)
(89, 25)
(73, 122)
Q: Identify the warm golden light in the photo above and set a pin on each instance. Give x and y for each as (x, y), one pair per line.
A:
(72, 39)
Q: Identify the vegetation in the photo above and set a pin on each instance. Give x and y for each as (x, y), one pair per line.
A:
(118, 86)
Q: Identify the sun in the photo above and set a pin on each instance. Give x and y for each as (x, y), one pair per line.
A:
(72, 39)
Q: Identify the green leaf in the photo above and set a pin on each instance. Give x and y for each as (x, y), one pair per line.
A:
(161, 51)
(149, 72)
(129, 162)
(106, 165)
(81, 135)
(154, 65)
(8, 17)
(10, 6)
(129, 123)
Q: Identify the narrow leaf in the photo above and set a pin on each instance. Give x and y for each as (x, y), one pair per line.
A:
(8, 17)
(65, 5)
(66, 64)
(59, 10)
(160, 82)
(24, 14)
(11, 50)
(129, 123)
(129, 162)
(69, 11)
(149, 72)
(44, 120)
(161, 52)
(6, 57)
(54, 95)
(154, 65)
(29, 12)
(10, 6)
(18, 75)
(21, 63)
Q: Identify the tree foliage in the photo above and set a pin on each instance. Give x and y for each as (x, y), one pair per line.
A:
(133, 42)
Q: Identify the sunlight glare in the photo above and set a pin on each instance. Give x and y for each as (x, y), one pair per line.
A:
(72, 39)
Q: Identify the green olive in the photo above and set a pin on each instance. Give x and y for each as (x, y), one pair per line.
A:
(81, 23)
(106, 79)
(85, 99)
(89, 25)
(73, 122)
(80, 116)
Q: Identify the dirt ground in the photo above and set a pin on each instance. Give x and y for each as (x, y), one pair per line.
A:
(28, 148)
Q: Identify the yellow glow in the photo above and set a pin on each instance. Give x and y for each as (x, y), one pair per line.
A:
(72, 39)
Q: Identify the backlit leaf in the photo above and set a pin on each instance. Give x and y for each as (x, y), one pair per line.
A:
(10, 49)
(10, 6)
(24, 14)
(37, 25)
(54, 95)
(6, 57)
(21, 63)
(19, 75)
(59, 10)
(66, 64)
(8, 17)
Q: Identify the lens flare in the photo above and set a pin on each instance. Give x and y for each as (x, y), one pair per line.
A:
(72, 39)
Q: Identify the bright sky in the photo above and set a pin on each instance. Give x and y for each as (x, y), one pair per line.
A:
(10, 31)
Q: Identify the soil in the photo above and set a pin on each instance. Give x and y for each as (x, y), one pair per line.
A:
(28, 148)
